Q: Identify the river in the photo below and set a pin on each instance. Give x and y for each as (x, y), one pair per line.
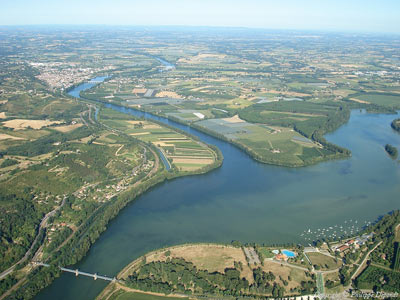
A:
(248, 201)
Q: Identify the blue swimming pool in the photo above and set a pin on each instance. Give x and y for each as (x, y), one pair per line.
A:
(288, 253)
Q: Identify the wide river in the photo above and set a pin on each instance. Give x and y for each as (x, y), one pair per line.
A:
(248, 201)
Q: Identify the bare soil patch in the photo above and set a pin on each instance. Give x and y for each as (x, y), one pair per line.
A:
(234, 119)
(193, 160)
(284, 272)
(161, 143)
(359, 100)
(294, 94)
(140, 133)
(135, 122)
(139, 91)
(207, 257)
(168, 94)
(20, 124)
(151, 126)
(68, 128)
(4, 136)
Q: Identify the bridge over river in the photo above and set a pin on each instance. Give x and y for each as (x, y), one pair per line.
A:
(95, 276)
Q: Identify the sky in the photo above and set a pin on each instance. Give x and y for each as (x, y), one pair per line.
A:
(325, 15)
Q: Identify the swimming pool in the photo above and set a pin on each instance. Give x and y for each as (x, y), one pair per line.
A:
(288, 253)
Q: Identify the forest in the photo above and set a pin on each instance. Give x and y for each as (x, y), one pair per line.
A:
(177, 275)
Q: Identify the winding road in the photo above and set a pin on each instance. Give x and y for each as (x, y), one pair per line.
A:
(42, 225)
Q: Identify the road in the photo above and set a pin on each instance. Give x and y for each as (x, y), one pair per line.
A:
(42, 225)
(309, 261)
(365, 259)
(320, 283)
(303, 268)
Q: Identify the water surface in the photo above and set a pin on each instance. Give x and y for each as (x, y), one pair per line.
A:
(248, 201)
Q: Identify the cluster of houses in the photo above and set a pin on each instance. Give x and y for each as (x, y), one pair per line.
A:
(353, 243)
(53, 229)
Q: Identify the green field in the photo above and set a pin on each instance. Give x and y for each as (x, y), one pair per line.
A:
(269, 144)
(323, 261)
(391, 100)
(265, 253)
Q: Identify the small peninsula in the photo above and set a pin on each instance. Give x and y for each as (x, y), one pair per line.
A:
(346, 266)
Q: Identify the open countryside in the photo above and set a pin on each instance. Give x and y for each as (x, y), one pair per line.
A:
(98, 135)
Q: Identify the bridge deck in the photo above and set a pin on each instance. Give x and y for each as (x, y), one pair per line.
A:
(77, 272)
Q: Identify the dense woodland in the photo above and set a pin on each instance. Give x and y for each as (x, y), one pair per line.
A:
(178, 275)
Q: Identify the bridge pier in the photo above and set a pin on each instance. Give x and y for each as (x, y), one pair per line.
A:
(95, 276)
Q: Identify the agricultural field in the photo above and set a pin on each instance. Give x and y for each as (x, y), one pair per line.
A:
(202, 85)
(273, 95)
(267, 143)
(182, 152)
(384, 99)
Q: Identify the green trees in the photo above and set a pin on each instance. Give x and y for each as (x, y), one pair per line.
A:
(37, 280)
(321, 118)
(392, 151)
(396, 125)
(378, 279)
(176, 274)
(8, 162)
(278, 291)
(344, 275)
(329, 284)
(7, 283)
(396, 260)
(22, 223)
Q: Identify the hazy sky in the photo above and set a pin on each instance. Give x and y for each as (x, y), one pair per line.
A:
(348, 15)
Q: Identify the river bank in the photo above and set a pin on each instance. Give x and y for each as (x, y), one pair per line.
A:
(249, 201)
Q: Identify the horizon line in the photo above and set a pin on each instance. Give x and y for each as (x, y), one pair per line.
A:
(325, 30)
